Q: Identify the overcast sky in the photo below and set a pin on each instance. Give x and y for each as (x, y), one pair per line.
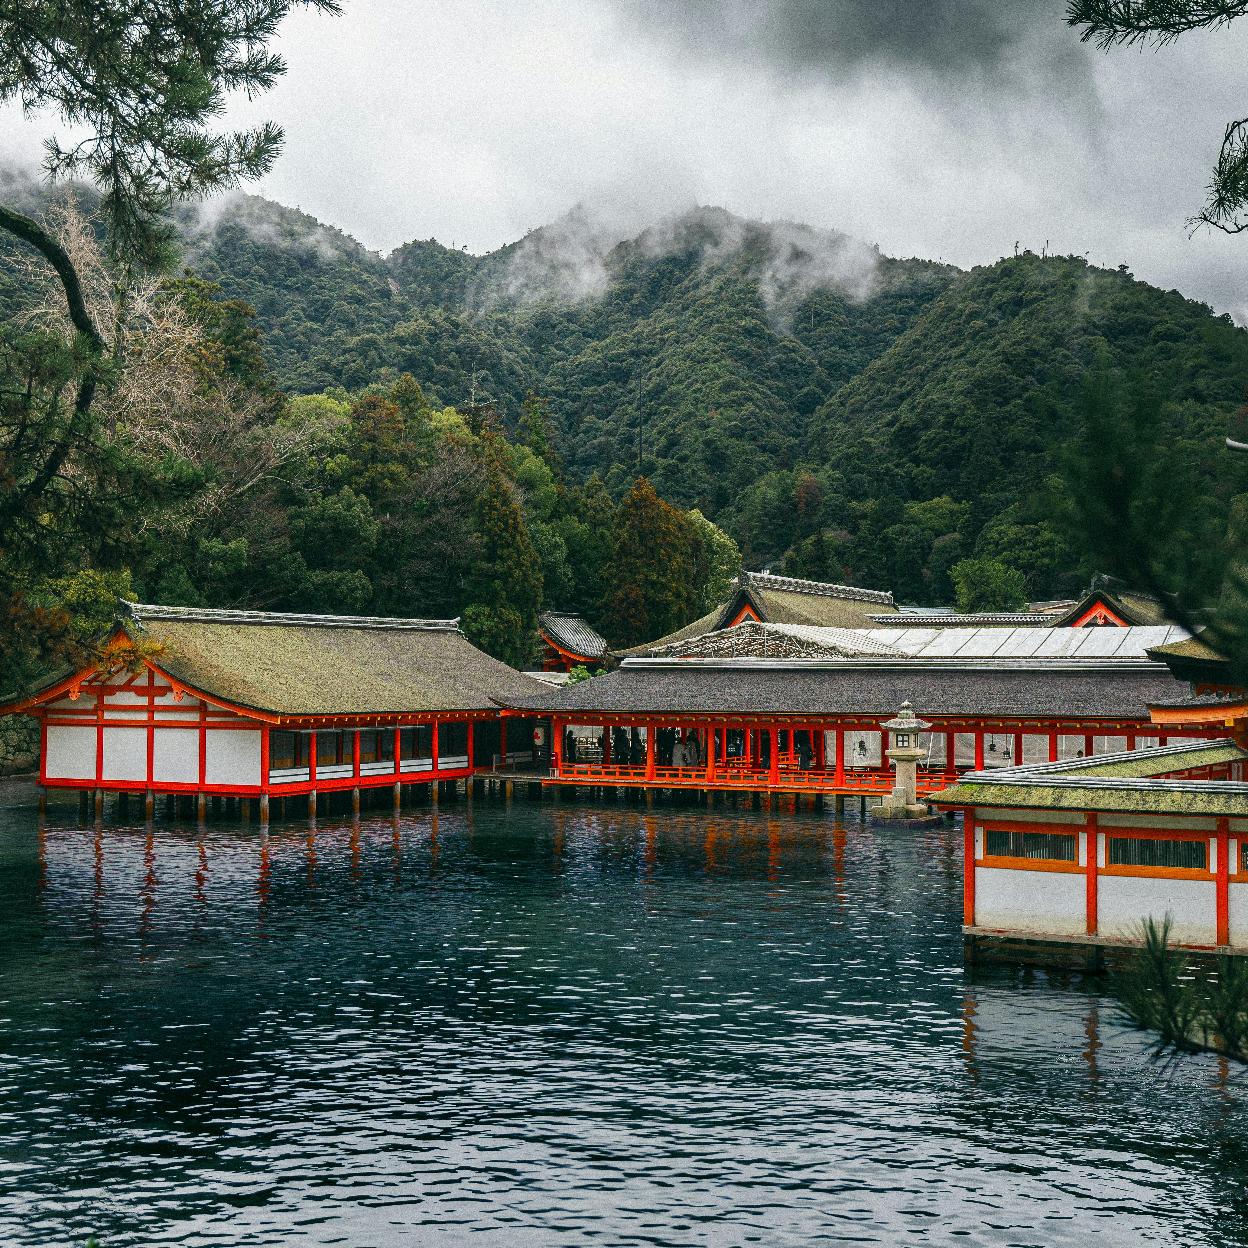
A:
(942, 128)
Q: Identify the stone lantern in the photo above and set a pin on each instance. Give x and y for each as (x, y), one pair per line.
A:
(905, 751)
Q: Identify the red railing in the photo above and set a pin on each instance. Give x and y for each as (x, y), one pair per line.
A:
(736, 774)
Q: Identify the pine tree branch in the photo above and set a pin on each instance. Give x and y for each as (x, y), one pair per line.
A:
(1109, 23)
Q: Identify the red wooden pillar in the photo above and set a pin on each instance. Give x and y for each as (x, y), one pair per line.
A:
(1222, 886)
(355, 753)
(839, 777)
(1018, 749)
(979, 749)
(312, 758)
(264, 761)
(1130, 740)
(1053, 750)
(606, 744)
(712, 744)
(773, 763)
(651, 752)
(1089, 745)
(1092, 849)
(556, 746)
(502, 741)
(968, 866)
(472, 745)
(951, 752)
(433, 746)
(398, 749)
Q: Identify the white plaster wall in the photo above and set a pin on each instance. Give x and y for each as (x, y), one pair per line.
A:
(1054, 902)
(70, 753)
(232, 757)
(175, 756)
(1124, 902)
(125, 754)
(1238, 908)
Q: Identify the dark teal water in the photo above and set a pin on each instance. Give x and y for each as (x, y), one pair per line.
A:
(565, 1025)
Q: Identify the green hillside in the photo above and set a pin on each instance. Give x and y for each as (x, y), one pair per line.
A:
(841, 413)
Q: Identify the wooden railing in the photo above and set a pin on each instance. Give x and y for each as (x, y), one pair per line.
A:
(736, 774)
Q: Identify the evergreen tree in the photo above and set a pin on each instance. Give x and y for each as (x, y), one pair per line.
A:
(988, 585)
(504, 589)
(650, 578)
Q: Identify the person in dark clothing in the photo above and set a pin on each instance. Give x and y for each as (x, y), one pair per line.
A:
(637, 749)
(803, 750)
(569, 747)
(619, 746)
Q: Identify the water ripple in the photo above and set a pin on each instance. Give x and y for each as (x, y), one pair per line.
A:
(565, 1025)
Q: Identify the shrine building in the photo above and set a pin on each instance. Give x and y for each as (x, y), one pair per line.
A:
(251, 704)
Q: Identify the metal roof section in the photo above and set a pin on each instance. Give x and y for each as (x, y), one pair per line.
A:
(1070, 649)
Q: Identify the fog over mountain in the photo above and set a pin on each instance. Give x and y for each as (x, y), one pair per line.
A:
(952, 129)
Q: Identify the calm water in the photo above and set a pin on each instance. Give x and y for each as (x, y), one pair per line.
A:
(565, 1025)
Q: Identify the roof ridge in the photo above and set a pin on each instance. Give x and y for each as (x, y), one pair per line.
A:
(823, 589)
(140, 611)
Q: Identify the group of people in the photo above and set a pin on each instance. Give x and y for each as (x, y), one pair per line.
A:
(684, 747)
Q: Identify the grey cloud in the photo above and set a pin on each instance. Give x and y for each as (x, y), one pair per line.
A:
(947, 39)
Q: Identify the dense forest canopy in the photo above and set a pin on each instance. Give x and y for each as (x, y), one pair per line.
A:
(447, 433)
(841, 414)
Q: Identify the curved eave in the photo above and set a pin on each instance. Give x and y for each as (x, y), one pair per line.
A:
(570, 654)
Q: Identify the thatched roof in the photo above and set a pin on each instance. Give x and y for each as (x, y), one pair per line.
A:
(298, 666)
(786, 600)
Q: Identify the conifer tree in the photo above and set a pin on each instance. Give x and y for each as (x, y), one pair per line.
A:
(504, 588)
(650, 577)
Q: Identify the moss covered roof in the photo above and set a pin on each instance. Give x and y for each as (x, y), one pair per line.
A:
(303, 665)
(1143, 782)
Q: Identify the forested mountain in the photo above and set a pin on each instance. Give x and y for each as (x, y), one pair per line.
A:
(841, 413)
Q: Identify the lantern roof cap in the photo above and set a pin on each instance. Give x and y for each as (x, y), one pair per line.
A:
(907, 721)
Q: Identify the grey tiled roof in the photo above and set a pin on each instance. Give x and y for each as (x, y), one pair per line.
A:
(846, 688)
(570, 632)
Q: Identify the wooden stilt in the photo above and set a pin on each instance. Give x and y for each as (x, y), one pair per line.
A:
(355, 802)
(312, 804)
(398, 797)
(43, 799)
(99, 804)
(201, 807)
(149, 805)
(82, 806)
(264, 810)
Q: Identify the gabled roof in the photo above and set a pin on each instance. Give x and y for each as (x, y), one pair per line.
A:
(570, 633)
(786, 600)
(751, 639)
(1129, 605)
(296, 666)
